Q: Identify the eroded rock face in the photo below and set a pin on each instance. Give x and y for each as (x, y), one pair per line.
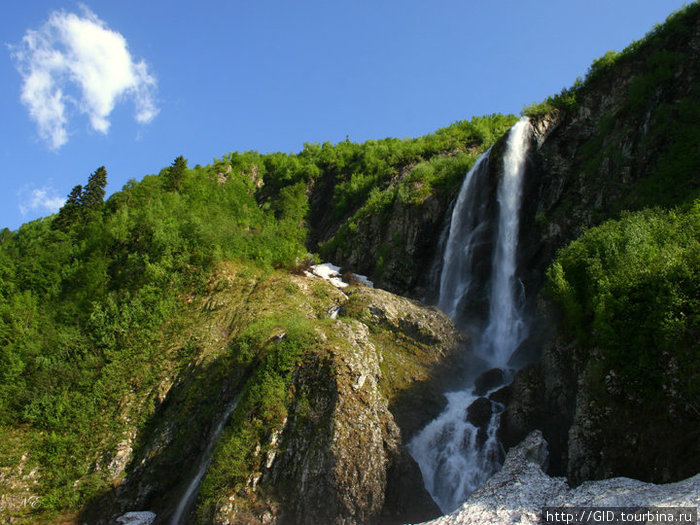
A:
(587, 165)
(339, 444)
(521, 489)
(342, 446)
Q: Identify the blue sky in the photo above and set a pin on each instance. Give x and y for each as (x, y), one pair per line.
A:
(131, 85)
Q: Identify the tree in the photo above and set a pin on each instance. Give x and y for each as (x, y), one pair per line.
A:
(94, 193)
(82, 203)
(70, 211)
(175, 174)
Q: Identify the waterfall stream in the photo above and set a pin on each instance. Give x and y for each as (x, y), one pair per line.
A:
(188, 498)
(459, 450)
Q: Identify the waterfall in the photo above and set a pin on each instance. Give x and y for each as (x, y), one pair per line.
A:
(459, 450)
(188, 498)
(506, 329)
(466, 225)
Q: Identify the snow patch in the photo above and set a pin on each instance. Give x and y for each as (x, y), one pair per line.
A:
(331, 273)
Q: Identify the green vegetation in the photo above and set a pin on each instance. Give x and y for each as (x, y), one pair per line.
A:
(413, 168)
(97, 303)
(88, 297)
(655, 72)
(630, 288)
(567, 100)
(262, 407)
(408, 172)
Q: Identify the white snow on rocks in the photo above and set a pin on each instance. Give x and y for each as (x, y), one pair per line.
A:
(331, 273)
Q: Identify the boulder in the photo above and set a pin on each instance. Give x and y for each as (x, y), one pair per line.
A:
(479, 413)
(488, 381)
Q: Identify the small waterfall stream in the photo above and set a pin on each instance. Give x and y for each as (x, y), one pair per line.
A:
(188, 498)
(459, 450)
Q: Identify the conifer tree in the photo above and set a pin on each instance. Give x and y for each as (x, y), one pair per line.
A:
(69, 211)
(175, 174)
(94, 193)
(83, 203)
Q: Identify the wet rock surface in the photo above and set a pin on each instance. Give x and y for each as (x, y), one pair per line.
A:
(520, 490)
(479, 412)
(488, 381)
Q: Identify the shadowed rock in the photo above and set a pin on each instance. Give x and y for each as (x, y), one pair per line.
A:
(520, 490)
(488, 381)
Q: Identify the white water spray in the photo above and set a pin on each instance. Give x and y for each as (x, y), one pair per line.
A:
(454, 455)
(506, 329)
(464, 229)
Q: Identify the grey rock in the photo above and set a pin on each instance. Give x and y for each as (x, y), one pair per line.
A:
(488, 381)
(519, 491)
(137, 518)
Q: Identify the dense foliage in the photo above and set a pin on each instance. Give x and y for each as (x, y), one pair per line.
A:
(631, 289)
(408, 172)
(91, 297)
(87, 296)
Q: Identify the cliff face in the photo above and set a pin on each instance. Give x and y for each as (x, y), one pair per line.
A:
(631, 143)
(315, 439)
(367, 380)
(397, 250)
(380, 209)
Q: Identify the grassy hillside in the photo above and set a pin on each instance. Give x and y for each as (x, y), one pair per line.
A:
(99, 303)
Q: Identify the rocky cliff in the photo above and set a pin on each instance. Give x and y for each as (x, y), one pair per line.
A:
(630, 142)
(329, 447)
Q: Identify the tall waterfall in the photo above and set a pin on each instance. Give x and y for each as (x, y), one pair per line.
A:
(506, 329)
(459, 450)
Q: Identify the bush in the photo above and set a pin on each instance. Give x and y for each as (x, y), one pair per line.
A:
(630, 288)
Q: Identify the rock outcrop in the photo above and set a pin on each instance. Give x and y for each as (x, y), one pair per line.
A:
(342, 445)
(397, 251)
(333, 452)
(619, 149)
(518, 493)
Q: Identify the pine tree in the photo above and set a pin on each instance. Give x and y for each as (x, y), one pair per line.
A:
(175, 174)
(94, 193)
(70, 211)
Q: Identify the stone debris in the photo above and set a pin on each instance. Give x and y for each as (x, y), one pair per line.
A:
(519, 491)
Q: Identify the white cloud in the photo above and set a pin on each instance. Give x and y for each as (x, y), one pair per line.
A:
(69, 52)
(40, 200)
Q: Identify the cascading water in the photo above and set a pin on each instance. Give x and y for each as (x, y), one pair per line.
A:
(459, 450)
(466, 225)
(190, 494)
(506, 328)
